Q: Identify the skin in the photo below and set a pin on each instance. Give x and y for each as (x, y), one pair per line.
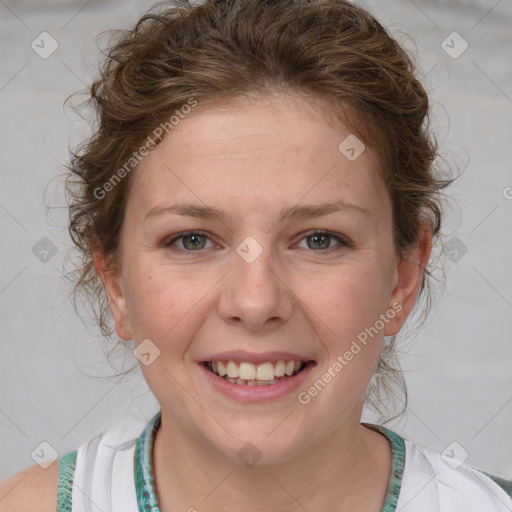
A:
(250, 160)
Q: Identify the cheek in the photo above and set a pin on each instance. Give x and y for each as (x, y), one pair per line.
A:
(167, 309)
(164, 305)
(346, 300)
(345, 308)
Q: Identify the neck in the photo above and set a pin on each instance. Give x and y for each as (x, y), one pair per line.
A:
(348, 470)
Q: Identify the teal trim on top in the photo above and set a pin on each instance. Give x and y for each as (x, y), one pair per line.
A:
(506, 485)
(143, 470)
(397, 466)
(67, 464)
(145, 479)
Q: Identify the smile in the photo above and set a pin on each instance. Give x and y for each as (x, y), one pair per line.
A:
(258, 381)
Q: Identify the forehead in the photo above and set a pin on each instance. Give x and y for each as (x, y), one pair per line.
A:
(257, 156)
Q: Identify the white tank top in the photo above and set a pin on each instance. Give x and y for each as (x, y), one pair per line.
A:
(112, 472)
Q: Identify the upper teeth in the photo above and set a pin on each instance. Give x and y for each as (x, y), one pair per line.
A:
(249, 371)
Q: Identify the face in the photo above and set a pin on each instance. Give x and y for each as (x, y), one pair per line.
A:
(254, 284)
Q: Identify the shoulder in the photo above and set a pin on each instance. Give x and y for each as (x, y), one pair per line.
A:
(32, 489)
(103, 465)
(431, 477)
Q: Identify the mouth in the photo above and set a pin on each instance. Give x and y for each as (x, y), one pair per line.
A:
(264, 374)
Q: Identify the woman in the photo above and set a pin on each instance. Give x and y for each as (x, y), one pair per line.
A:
(258, 204)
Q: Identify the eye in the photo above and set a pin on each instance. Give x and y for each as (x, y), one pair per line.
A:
(191, 241)
(321, 240)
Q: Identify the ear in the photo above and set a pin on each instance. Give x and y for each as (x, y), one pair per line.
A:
(408, 278)
(111, 277)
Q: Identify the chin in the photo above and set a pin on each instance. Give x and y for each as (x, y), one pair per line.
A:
(253, 447)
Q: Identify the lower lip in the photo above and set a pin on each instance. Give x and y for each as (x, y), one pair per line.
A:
(244, 393)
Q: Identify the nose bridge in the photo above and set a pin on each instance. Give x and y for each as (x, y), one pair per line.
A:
(254, 292)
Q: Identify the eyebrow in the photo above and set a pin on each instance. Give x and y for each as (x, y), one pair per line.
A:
(304, 211)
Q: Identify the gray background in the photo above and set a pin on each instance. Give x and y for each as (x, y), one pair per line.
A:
(458, 365)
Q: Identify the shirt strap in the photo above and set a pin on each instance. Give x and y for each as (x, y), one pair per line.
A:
(67, 465)
(506, 485)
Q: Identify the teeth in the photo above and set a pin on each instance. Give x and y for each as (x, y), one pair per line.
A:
(265, 371)
(221, 369)
(290, 366)
(279, 370)
(255, 375)
(232, 370)
(247, 371)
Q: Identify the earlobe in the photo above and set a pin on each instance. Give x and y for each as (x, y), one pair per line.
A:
(112, 281)
(408, 278)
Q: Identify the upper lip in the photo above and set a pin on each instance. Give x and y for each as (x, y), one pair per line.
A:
(242, 356)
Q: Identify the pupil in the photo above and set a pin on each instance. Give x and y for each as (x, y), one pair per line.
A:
(188, 237)
(316, 237)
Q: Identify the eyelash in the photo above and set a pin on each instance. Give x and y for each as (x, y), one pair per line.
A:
(342, 241)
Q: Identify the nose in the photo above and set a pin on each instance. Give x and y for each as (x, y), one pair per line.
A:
(255, 293)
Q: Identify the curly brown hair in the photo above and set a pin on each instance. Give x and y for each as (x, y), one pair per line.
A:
(219, 50)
